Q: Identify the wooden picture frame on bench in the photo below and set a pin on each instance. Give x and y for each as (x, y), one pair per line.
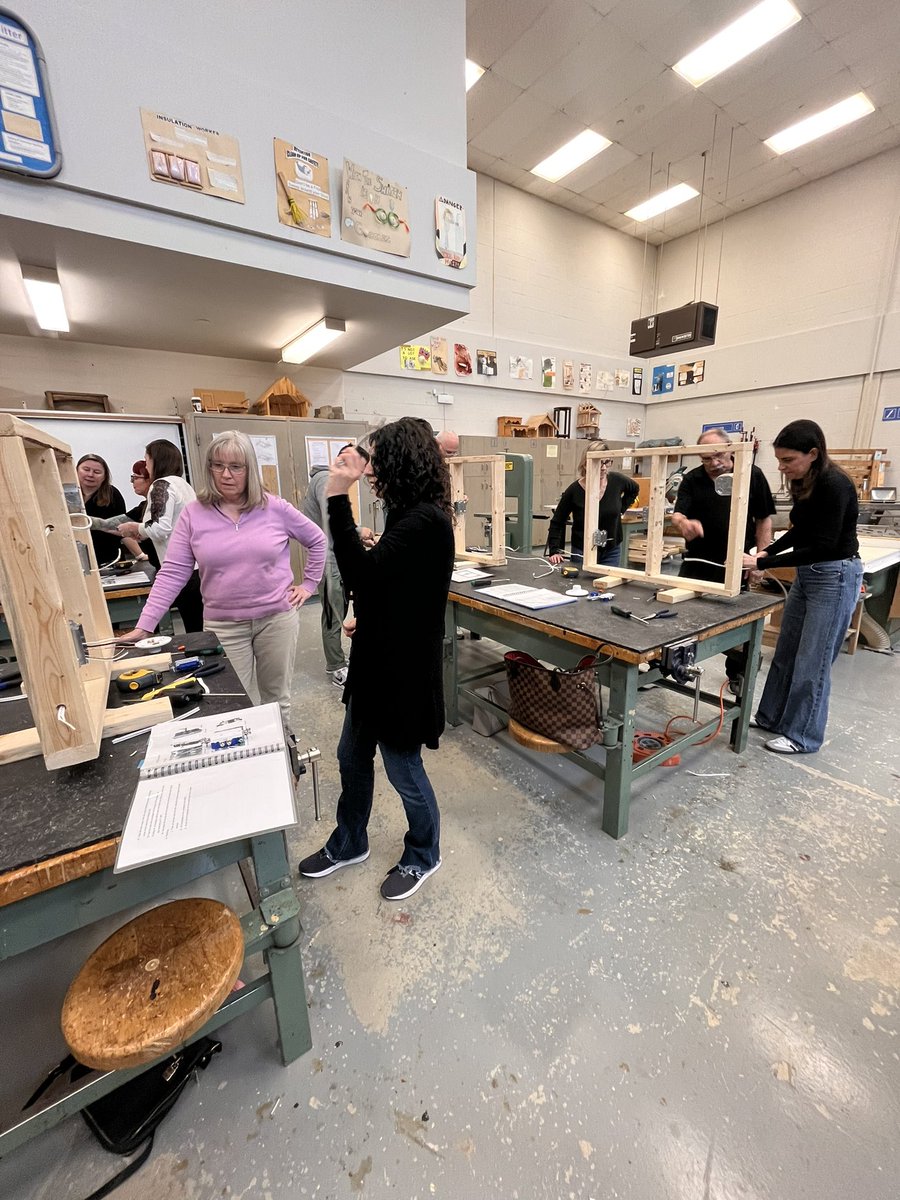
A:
(656, 519)
(496, 556)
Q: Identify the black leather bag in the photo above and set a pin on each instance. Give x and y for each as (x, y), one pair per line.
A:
(562, 705)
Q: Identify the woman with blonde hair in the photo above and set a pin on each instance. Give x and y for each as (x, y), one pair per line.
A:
(239, 536)
(617, 493)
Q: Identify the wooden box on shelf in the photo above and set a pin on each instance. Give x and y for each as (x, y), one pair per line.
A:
(282, 399)
(508, 426)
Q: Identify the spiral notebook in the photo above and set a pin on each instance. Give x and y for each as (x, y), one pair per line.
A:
(207, 781)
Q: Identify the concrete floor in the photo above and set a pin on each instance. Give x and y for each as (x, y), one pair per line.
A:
(705, 1009)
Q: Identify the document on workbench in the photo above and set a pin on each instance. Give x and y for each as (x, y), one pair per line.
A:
(465, 574)
(528, 597)
(212, 781)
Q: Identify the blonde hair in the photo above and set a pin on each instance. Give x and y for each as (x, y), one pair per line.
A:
(589, 449)
(232, 441)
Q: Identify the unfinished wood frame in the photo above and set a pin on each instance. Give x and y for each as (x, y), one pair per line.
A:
(496, 556)
(52, 598)
(656, 517)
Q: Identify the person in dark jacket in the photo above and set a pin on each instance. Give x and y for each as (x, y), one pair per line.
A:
(617, 493)
(822, 544)
(102, 500)
(400, 595)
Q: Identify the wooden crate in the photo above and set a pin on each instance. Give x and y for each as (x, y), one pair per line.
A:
(221, 400)
(866, 467)
(53, 601)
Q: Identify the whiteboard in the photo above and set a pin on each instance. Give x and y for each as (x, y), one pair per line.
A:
(120, 440)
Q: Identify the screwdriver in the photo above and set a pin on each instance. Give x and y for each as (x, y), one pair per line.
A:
(626, 612)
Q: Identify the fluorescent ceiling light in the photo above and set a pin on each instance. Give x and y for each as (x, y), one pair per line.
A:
(584, 146)
(663, 202)
(820, 123)
(737, 40)
(316, 338)
(45, 295)
(473, 73)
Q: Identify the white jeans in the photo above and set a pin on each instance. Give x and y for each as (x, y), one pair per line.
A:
(262, 653)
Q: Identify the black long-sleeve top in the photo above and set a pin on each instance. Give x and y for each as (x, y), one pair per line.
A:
(621, 492)
(823, 526)
(107, 546)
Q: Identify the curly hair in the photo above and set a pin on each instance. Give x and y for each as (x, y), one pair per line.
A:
(408, 465)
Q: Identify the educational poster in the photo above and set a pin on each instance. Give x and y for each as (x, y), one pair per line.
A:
(633, 427)
(375, 211)
(568, 376)
(301, 189)
(637, 381)
(487, 362)
(520, 367)
(548, 372)
(415, 358)
(663, 380)
(439, 357)
(585, 377)
(604, 381)
(450, 233)
(623, 378)
(192, 156)
(462, 359)
(28, 141)
(267, 456)
(691, 372)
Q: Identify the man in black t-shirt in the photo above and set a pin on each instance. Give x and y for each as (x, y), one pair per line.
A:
(702, 516)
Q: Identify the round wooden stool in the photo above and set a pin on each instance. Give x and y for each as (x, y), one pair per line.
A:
(532, 740)
(152, 984)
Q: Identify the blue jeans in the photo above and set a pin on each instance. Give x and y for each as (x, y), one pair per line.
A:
(356, 759)
(813, 627)
(607, 557)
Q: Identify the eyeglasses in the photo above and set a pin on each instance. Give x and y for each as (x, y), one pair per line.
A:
(231, 468)
(606, 462)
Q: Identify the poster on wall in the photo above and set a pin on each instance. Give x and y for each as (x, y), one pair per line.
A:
(375, 211)
(487, 362)
(548, 372)
(29, 142)
(415, 357)
(633, 427)
(450, 233)
(462, 359)
(691, 372)
(192, 156)
(604, 381)
(568, 376)
(302, 195)
(266, 452)
(585, 377)
(637, 381)
(663, 380)
(623, 378)
(439, 355)
(520, 367)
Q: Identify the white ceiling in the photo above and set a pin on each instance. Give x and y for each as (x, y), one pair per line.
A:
(556, 67)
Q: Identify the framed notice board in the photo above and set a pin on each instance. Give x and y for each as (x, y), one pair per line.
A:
(28, 142)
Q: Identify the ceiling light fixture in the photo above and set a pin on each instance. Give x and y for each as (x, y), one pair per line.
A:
(756, 27)
(314, 339)
(473, 73)
(663, 202)
(46, 298)
(820, 123)
(586, 145)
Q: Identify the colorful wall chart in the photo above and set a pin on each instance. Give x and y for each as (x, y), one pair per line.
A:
(302, 194)
(375, 211)
(192, 156)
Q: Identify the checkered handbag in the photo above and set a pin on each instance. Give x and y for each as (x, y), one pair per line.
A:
(562, 705)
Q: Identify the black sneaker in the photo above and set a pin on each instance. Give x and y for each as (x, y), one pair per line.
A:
(735, 685)
(401, 882)
(319, 864)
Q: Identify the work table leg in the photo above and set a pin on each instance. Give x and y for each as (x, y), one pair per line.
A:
(740, 726)
(623, 684)
(451, 667)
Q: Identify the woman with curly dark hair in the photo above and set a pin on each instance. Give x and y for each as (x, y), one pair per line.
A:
(399, 593)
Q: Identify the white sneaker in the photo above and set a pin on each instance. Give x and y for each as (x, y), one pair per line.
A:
(783, 745)
(339, 677)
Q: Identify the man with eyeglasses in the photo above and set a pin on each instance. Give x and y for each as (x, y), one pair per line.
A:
(702, 517)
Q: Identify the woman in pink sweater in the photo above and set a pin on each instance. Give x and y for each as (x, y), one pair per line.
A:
(239, 536)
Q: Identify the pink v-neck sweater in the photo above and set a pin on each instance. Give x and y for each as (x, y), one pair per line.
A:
(245, 566)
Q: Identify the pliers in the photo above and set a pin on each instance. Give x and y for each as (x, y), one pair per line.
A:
(662, 614)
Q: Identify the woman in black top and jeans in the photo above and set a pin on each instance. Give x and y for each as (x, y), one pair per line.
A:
(822, 544)
(617, 493)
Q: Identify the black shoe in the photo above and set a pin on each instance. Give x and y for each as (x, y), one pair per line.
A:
(400, 882)
(735, 685)
(319, 864)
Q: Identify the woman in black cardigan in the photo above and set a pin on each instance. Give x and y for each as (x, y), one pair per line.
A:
(394, 689)
(617, 493)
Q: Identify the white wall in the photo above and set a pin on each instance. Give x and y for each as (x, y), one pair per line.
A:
(340, 79)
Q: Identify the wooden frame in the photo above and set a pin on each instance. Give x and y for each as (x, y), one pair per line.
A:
(656, 519)
(53, 602)
(78, 401)
(496, 556)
